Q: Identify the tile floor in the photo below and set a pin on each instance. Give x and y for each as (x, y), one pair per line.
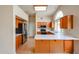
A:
(27, 48)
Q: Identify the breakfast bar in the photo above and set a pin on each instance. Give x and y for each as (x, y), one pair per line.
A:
(54, 44)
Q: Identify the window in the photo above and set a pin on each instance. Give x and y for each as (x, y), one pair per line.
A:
(59, 15)
(57, 22)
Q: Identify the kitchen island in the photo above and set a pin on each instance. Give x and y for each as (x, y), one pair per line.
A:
(54, 44)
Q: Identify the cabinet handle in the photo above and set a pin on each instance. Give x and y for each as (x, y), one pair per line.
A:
(55, 40)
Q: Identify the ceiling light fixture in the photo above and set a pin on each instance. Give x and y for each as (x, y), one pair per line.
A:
(40, 7)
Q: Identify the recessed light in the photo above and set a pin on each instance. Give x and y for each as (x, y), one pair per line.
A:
(40, 8)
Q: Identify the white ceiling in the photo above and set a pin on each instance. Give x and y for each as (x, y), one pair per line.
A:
(30, 9)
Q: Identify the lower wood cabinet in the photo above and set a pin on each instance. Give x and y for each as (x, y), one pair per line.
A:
(18, 41)
(56, 46)
(53, 46)
(68, 46)
(42, 46)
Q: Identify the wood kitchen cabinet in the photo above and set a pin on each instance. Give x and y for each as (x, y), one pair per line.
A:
(50, 24)
(53, 46)
(18, 41)
(49, 46)
(18, 20)
(39, 24)
(41, 46)
(68, 46)
(56, 46)
(20, 25)
(66, 22)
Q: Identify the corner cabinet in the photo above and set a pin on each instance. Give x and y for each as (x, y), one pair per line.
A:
(66, 22)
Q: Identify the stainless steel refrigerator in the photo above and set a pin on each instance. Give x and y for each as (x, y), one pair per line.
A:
(24, 32)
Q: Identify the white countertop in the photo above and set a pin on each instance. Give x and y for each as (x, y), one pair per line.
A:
(18, 34)
(54, 37)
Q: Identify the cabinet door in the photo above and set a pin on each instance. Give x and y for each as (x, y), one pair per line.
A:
(56, 46)
(17, 22)
(68, 46)
(42, 46)
(18, 41)
(49, 24)
(70, 22)
(66, 22)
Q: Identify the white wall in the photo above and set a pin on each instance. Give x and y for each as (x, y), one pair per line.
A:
(32, 26)
(6, 29)
(19, 12)
(43, 18)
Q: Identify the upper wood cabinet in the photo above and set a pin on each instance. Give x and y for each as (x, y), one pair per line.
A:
(66, 22)
(41, 23)
(18, 20)
(50, 24)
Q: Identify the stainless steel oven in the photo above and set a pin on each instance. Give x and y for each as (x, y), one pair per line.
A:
(43, 29)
